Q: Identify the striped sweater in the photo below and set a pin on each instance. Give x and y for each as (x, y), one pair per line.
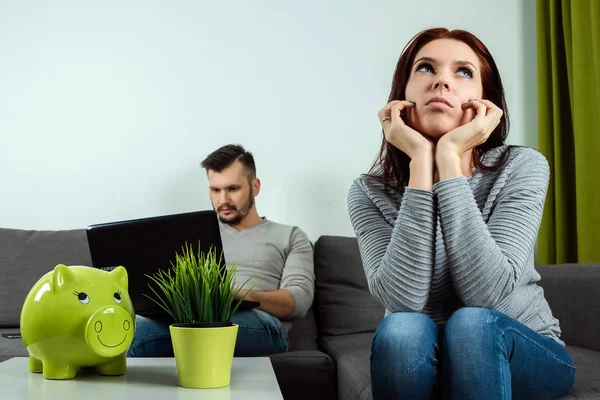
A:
(468, 242)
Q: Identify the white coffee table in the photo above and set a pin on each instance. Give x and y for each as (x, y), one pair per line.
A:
(146, 379)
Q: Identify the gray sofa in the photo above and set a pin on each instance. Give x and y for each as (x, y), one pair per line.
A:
(330, 347)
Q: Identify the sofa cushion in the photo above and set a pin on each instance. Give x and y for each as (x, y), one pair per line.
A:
(351, 354)
(26, 255)
(303, 334)
(343, 302)
(573, 295)
(11, 347)
(587, 374)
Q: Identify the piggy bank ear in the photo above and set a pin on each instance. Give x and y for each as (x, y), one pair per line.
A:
(119, 275)
(62, 275)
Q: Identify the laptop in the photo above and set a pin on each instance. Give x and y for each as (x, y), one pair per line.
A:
(144, 246)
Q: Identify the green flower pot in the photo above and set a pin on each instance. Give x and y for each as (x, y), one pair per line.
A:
(204, 353)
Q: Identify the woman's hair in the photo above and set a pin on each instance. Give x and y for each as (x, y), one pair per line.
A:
(392, 165)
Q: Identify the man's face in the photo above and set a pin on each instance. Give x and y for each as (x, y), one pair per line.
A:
(231, 194)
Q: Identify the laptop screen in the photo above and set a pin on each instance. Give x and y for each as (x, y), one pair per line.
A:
(143, 246)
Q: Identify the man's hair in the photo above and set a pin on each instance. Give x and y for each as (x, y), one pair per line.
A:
(226, 155)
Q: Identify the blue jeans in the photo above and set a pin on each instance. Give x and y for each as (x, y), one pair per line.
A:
(259, 334)
(478, 354)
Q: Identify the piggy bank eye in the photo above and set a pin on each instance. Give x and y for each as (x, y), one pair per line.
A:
(117, 297)
(83, 297)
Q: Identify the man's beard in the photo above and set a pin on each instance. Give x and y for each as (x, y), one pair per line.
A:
(239, 215)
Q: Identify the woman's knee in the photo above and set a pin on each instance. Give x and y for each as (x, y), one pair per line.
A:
(404, 353)
(405, 328)
(471, 322)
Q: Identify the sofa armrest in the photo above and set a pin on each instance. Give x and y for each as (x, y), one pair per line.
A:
(573, 292)
(305, 375)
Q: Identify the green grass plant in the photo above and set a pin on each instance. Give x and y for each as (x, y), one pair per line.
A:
(198, 288)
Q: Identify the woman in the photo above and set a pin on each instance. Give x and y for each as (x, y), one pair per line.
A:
(446, 222)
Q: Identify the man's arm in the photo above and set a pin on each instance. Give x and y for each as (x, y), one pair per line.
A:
(298, 277)
(279, 303)
(296, 288)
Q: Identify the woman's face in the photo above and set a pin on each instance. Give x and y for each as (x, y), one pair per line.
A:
(445, 74)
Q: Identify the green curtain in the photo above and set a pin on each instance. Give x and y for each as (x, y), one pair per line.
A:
(568, 65)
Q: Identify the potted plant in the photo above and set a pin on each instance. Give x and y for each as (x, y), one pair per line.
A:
(199, 293)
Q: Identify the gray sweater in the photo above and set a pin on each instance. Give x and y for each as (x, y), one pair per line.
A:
(275, 256)
(468, 242)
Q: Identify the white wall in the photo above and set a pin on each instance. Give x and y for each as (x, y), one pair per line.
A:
(107, 108)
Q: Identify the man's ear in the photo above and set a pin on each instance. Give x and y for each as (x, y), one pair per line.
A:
(255, 186)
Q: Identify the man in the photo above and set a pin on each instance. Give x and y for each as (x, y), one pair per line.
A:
(278, 257)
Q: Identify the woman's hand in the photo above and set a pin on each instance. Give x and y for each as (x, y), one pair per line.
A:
(400, 135)
(415, 145)
(472, 133)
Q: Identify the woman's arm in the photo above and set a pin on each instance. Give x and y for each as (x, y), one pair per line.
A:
(486, 260)
(398, 259)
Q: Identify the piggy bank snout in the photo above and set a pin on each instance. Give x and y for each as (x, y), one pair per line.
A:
(109, 331)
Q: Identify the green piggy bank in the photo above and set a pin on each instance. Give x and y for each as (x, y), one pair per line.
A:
(75, 317)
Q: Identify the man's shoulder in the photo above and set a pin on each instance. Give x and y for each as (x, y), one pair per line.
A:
(290, 237)
(283, 229)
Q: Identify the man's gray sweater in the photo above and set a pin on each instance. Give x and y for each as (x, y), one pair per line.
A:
(275, 256)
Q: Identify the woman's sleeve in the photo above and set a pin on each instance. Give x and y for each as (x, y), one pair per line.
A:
(487, 260)
(398, 258)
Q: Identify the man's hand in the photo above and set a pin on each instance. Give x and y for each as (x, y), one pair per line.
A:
(469, 135)
(279, 303)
